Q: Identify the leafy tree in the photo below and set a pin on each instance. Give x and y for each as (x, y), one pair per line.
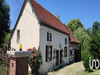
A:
(84, 46)
(89, 31)
(95, 41)
(75, 24)
(83, 37)
(85, 57)
(6, 39)
(95, 27)
(4, 20)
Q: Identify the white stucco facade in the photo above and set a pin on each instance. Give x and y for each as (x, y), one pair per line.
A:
(32, 34)
(29, 29)
(57, 39)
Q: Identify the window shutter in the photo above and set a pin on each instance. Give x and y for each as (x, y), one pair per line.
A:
(46, 53)
(50, 37)
(65, 51)
(47, 36)
(51, 53)
(65, 40)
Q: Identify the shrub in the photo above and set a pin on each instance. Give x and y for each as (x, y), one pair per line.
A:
(35, 60)
(85, 57)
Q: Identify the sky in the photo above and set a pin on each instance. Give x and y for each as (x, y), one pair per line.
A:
(88, 11)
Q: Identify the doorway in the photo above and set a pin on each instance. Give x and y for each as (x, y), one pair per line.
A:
(57, 57)
(60, 56)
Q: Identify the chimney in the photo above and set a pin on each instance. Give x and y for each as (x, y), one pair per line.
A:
(57, 16)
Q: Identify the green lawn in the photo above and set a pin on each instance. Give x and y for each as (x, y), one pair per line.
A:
(95, 72)
(3, 67)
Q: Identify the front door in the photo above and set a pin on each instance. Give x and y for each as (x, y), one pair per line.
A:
(60, 56)
(57, 57)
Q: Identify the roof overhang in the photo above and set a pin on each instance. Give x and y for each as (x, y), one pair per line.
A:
(49, 26)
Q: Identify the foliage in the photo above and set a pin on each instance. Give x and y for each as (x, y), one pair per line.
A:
(83, 37)
(89, 40)
(95, 27)
(6, 39)
(95, 42)
(85, 57)
(84, 46)
(89, 31)
(4, 20)
(75, 24)
(35, 60)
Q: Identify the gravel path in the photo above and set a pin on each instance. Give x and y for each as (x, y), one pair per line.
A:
(73, 69)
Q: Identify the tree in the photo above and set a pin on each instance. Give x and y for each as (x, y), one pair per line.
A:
(85, 58)
(89, 31)
(83, 37)
(75, 24)
(4, 20)
(95, 27)
(95, 41)
(6, 39)
(84, 46)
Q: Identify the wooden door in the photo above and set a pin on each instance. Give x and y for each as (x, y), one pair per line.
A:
(57, 57)
(60, 56)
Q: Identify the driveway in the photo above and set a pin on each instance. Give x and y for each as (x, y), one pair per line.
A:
(73, 69)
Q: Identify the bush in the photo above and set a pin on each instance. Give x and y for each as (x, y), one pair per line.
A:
(35, 60)
(85, 57)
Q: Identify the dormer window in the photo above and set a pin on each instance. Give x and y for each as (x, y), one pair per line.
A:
(65, 40)
(49, 36)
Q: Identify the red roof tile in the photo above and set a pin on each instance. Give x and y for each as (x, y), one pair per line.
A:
(72, 37)
(48, 18)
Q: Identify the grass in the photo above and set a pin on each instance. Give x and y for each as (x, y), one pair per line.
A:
(95, 72)
(29, 72)
(3, 67)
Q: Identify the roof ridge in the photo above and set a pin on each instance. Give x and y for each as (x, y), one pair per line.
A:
(47, 11)
(48, 18)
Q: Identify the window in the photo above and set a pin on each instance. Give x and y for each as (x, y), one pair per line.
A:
(18, 36)
(48, 53)
(49, 36)
(70, 52)
(65, 51)
(65, 40)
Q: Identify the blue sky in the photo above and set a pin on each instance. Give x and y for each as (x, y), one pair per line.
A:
(88, 11)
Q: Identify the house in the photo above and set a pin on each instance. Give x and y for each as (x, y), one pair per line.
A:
(38, 27)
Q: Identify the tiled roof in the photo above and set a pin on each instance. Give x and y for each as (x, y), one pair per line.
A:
(72, 37)
(51, 20)
(48, 18)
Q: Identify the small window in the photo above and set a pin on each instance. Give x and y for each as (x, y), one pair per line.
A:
(65, 51)
(48, 53)
(70, 52)
(18, 36)
(65, 40)
(49, 36)
(12, 64)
